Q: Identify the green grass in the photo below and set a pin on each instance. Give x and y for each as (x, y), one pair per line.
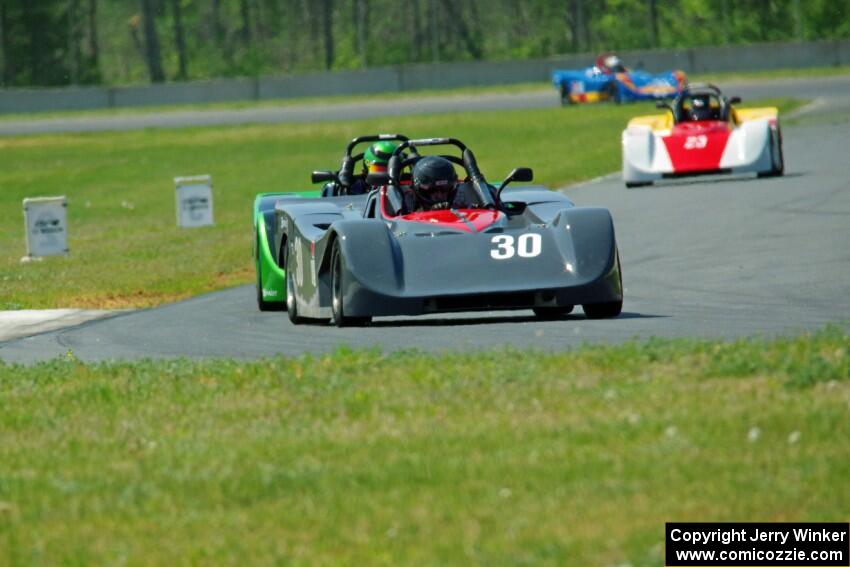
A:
(125, 248)
(837, 114)
(811, 72)
(361, 458)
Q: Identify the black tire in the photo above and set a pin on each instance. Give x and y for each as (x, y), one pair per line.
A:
(633, 184)
(603, 310)
(291, 303)
(609, 308)
(614, 93)
(337, 300)
(550, 313)
(778, 170)
(565, 96)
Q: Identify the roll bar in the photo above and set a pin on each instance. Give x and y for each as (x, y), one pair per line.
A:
(479, 184)
(346, 169)
(373, 138)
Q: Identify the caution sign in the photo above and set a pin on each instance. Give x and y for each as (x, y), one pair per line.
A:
(194, 201)
(46, 220)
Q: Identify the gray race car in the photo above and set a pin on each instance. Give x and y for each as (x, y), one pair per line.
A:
(351, 258)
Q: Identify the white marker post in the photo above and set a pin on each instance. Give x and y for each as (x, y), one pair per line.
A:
(46, 221)
(194, 201)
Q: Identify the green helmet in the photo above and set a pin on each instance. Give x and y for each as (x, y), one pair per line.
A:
(379, 154)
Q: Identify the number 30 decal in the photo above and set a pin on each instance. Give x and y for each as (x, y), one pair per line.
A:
(528, 245)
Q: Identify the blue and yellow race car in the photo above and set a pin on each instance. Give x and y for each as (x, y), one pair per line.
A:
(609, 79)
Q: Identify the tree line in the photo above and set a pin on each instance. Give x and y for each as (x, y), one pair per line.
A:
(82, 42)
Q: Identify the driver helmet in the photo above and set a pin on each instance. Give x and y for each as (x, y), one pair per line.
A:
(613, 64)
(701, 108)
(434, 182)
(376, 157)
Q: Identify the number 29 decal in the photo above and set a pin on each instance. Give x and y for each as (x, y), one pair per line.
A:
(528, 245)
(696, 142)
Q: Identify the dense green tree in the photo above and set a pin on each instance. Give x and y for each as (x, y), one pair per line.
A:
(152, 51)
(55, 42)
(41, 42)
(179, 40)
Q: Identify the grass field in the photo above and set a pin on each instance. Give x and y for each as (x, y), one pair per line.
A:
(367, 459)
(125, 248)
(810, 72)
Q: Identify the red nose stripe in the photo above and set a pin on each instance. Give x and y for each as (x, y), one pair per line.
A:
(462, 219)
(480, 219)
(697, 146)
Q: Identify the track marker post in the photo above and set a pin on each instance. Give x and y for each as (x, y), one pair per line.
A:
(194, 200)
(46, 224)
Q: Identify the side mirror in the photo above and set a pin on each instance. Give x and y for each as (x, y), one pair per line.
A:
(523, 174)
(734, 100)
(378, 179)
(323, 176)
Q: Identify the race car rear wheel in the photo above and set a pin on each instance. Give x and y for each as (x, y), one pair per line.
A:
(553, 312)
(603, 310)
(337, 299)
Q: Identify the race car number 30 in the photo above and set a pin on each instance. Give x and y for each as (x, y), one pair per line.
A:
(528, 245)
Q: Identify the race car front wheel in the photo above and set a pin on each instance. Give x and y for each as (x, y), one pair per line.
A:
(608, 308)
(777, 159)
(603, 310)
(337, 298)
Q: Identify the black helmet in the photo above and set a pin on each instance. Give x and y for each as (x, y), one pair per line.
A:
(701, 108)
(434, 181)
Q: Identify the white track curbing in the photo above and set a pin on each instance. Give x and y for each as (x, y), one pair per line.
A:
(26, 322)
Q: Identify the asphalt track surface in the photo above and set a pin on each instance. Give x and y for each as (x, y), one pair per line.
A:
(709, 257)
(818, 88)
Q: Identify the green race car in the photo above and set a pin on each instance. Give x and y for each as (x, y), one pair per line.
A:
(271, 279)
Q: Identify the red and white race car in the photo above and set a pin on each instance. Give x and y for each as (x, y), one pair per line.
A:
(702, 133)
